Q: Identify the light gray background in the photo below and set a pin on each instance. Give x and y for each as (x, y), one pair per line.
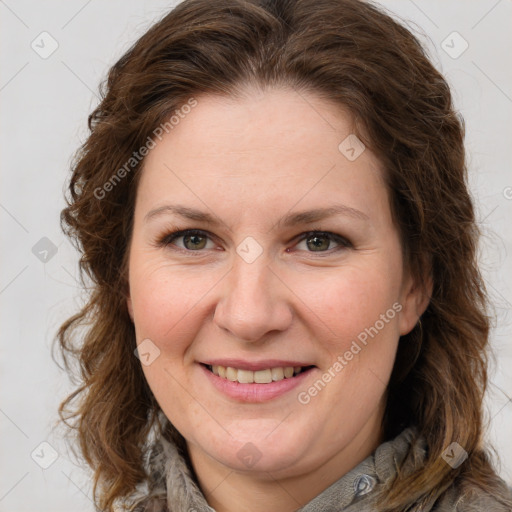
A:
(44, 106)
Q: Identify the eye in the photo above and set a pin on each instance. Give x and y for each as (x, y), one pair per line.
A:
(320, 241)
(193, 239)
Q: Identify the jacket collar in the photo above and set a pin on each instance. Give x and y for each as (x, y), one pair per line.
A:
(174, 488)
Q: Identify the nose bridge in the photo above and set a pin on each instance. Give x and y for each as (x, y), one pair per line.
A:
(253, 302)
(251, 282)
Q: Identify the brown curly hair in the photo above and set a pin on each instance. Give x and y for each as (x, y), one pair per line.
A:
(345, 51)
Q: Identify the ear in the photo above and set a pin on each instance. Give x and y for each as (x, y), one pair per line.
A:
(416, 294)
(129, 305)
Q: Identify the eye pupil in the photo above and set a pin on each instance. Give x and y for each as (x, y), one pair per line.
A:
(194, 239)
(319, 242)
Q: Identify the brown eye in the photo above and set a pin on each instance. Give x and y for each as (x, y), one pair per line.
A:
(319, 241)
(193, 240)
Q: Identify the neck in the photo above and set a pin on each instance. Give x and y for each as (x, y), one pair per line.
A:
(227, 490)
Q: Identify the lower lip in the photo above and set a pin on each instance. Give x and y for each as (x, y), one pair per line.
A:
(255, 392)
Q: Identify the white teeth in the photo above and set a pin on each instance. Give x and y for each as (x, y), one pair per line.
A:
(262, 376)
(277, 374)
(246, 376)
(231, 374)
(259, 377)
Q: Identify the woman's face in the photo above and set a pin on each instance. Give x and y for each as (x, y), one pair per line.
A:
(260, 292)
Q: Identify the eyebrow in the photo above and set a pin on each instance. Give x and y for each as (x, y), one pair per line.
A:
(291, 219)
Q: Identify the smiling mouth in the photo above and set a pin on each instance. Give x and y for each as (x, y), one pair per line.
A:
(265, 376)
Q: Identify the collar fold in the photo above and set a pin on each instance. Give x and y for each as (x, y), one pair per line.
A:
(173, 487)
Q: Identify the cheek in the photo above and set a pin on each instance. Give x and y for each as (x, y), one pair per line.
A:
(350, 301)
(165, 301)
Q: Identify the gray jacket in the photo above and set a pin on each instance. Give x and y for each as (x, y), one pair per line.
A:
(175, 490)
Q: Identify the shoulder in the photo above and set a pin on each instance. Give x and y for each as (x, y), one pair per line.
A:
(468, 497)
(150, 504)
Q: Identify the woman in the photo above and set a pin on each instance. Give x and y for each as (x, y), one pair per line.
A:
(286, 311)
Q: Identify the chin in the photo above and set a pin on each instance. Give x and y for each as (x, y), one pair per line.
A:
(261, 452)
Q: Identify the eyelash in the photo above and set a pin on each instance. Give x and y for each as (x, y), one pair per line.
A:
(167, 240)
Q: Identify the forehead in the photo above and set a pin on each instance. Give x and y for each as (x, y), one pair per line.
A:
(272, 122)
(269, 145)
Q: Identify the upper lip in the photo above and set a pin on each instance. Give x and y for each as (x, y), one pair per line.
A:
(254, 366)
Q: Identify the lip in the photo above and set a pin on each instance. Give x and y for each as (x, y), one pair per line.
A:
(255, 393)
(254, 366)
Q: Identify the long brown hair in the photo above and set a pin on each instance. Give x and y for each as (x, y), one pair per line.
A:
(349, 53)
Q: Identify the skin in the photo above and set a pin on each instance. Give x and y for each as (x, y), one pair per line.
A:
(248, 161)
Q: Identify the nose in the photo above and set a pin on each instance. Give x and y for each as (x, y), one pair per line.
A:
(254, 301)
